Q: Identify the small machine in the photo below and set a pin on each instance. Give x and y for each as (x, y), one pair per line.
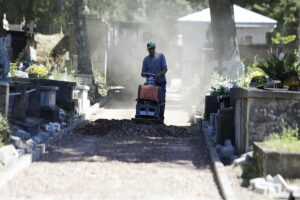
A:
(149, 101)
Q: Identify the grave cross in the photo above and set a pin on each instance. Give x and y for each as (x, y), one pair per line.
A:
(5, 23)
(31, 27)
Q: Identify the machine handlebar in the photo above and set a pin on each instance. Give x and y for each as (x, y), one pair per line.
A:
(149, 75)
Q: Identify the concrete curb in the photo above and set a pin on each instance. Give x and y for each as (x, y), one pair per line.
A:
(25, 161)
(223, 181)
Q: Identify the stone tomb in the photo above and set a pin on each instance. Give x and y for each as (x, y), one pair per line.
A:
(258, 113)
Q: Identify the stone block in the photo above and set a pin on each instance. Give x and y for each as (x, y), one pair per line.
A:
(292, 188)
(15, 140)
(254, 181)
(41, 137)
(31, 143)
(8, 154)
(48, 96)
(227, 152)
(271, 161)
(280, 180)
(21, 152)
(23, 134)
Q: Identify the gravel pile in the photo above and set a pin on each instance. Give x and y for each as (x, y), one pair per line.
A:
(128, 128)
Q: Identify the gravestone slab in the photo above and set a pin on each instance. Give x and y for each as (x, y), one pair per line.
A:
(4, 98)
(4, 58)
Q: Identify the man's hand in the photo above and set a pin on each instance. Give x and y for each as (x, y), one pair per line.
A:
(157, 75)
(143, 74)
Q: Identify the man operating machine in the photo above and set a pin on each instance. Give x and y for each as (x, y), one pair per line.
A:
(155, 63)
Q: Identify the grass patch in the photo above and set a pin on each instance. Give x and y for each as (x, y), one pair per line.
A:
(284, 145)
(287, 140)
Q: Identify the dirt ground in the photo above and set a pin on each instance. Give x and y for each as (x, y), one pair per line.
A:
(120, 160)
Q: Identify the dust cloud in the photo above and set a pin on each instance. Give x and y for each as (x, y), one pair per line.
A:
(188, 72)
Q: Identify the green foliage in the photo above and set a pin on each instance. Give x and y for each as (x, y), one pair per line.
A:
(251, 71)
(291, 134)
(284, 11)
(220, 91)
(220, 85)
(52, 15)
(250, 171)
(13, 69)
(4, 130)
(38, 71)
(288, 139)
(284, 39)
(276, 68)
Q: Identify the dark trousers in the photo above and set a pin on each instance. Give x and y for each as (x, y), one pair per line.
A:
(163, 98)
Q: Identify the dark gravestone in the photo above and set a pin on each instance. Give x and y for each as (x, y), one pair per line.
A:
(224, 101)
(20, 106)
(4, 98)
(4, 58)
(64, 96)
(211, 106)
(34, 107)
(225, 125)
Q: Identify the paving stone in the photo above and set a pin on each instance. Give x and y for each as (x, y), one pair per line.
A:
(8, 154)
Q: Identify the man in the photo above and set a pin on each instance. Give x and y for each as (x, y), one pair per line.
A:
(155, 63)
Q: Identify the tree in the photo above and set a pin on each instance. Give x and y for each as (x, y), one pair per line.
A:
(224, 31)
(284, 11)
(83, 51)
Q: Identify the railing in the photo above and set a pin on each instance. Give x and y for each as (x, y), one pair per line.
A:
(19, 93)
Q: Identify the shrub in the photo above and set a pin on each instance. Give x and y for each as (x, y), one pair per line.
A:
(275, 68)
(4, 130)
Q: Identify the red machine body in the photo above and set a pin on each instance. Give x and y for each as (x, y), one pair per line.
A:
(148, 92)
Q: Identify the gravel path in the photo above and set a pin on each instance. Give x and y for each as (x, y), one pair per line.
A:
(92, 165)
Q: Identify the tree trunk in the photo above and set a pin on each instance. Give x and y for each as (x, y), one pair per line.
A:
(224, 31)
(83, 51)
(2, 31)
(299, 33)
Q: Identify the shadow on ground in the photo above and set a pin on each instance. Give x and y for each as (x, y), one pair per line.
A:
(125, 141)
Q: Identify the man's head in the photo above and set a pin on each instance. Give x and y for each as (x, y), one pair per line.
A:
(151, 46)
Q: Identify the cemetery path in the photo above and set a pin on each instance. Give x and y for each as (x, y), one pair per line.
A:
(101, 162)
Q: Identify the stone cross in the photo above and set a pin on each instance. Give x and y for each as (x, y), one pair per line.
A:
(31, 27)
(5, 23)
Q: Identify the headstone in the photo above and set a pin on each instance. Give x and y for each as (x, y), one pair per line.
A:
(31, 26)
(4, 98)
(4, 58)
